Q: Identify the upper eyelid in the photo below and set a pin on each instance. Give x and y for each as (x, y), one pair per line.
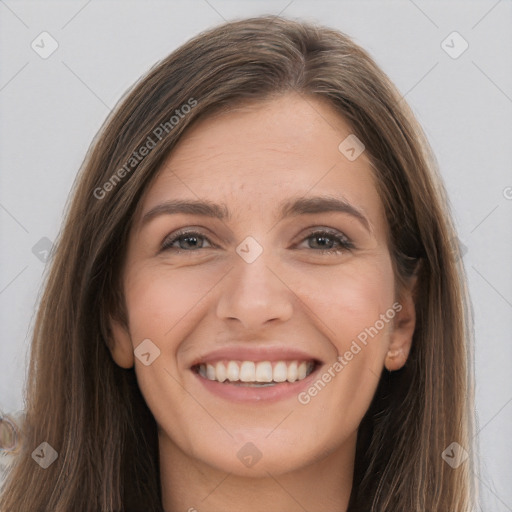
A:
(184, 232)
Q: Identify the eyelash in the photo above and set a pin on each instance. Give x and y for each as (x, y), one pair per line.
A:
(344, 242)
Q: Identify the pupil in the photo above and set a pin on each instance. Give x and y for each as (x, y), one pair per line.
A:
(188, 238)
(322, 239)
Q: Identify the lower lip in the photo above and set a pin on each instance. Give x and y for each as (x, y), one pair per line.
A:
(267, 394)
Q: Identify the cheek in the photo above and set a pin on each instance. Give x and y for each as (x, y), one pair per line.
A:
(161, 299)
(355, 309)
(164, 306)
(348, 299)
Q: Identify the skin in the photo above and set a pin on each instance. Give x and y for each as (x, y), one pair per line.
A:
(189, 303)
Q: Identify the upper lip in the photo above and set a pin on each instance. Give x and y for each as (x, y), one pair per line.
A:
(245, 353)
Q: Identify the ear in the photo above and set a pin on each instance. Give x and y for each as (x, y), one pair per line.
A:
(403, 328)
(120, 344)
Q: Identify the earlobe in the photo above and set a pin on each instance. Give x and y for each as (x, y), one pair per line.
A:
(395, 359)
(403, 330)
(120, 345)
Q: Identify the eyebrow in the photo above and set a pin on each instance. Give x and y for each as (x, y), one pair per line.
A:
(291, 208)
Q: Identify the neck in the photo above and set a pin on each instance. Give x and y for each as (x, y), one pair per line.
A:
(190, 485)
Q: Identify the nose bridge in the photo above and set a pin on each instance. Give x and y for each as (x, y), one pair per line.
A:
(253, 293)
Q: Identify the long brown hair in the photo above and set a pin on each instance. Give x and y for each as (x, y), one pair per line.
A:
(91, 411)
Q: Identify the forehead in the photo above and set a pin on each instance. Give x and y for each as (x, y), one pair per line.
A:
(261, 153)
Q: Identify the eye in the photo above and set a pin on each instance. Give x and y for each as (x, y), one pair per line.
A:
(326, 242)
(329, 242)
(187, 241)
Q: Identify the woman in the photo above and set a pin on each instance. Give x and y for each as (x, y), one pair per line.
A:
(254, 303)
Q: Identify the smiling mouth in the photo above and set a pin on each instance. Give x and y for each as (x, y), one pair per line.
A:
(255, 374)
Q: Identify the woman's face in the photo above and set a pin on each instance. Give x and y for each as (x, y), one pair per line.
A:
(259, 281)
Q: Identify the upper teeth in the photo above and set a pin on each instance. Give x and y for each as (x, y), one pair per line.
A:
(262, 371)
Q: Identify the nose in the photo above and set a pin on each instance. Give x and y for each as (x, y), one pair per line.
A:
(255, 294)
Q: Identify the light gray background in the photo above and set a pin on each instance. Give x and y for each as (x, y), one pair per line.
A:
(51, 108)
